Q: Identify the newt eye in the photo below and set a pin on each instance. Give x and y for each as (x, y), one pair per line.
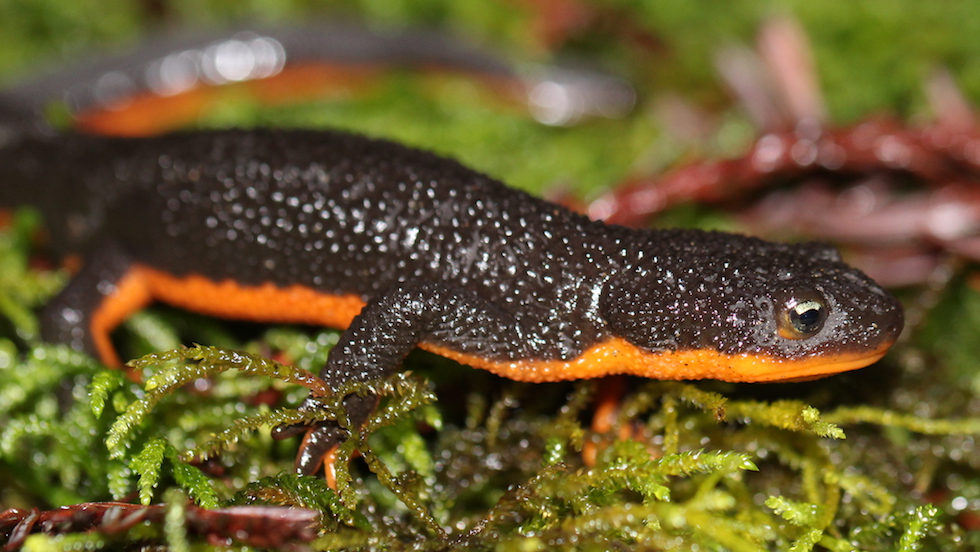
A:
(802, 316)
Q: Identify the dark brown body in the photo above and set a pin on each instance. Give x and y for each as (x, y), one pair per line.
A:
(404, 249)
(351, 220)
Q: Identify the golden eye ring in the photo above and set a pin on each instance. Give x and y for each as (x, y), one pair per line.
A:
(802, 317)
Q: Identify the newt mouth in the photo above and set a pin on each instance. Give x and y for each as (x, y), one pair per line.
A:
(821, 367)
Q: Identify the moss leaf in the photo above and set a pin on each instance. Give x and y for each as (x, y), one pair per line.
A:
(148, 465)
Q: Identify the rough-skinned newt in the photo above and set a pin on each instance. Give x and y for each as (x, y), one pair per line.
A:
(407, 249)
(168, 65)
(171, 80)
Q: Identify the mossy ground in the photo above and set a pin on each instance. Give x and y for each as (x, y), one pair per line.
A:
(457, 458)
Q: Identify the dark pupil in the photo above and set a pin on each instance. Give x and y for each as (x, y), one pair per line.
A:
(805, 316)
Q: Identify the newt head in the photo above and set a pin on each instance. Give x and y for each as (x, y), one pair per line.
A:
(740, 309)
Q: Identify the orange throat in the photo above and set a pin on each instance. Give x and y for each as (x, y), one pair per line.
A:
(618, 356)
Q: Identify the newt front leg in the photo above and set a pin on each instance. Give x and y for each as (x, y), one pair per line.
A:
(386, 331)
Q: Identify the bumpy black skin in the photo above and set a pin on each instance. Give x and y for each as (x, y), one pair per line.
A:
(441, 254)
(514, 277)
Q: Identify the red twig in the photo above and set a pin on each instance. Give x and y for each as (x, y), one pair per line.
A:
(259, 526)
